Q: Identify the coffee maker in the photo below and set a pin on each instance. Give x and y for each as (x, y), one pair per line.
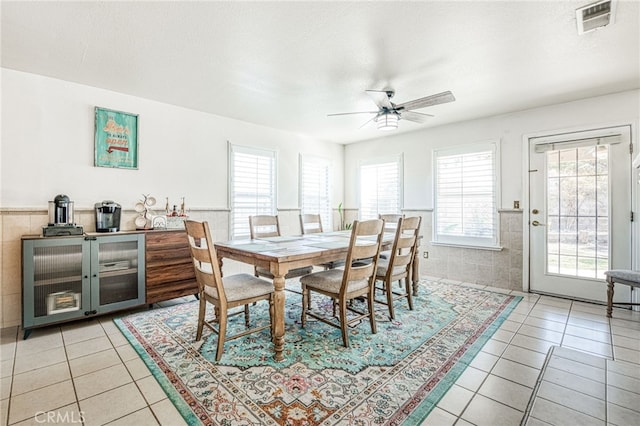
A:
(61, 218)
(108, 216)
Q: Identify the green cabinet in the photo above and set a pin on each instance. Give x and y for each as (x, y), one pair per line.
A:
(65, 278)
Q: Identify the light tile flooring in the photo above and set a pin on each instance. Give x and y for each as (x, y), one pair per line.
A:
(86, 373)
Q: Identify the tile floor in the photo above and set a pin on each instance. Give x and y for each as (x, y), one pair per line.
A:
(86, 373)
(584, 389)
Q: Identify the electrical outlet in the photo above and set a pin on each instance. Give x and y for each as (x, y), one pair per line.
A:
(425, 254)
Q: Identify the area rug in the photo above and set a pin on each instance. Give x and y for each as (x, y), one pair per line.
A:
(393, 377)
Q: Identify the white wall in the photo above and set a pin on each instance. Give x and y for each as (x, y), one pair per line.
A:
(48, 149)
(509, 267)
(510, 128)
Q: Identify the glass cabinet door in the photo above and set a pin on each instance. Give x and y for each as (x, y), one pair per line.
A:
(56, 277)
(117, 272)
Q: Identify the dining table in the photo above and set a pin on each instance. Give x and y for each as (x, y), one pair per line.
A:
(280, 254)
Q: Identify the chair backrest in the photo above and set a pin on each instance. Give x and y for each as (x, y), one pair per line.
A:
(404, 246)
(205, 260)
(310, 223)
(390, 221)
(262, 226)
(364, 248)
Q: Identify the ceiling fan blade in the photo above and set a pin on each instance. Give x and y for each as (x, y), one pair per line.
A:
(416, 117)
(440, 98)
(351, 113)
(381, 98)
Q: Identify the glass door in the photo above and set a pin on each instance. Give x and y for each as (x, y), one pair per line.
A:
(117, 272)
(580, 212)
(56, 280)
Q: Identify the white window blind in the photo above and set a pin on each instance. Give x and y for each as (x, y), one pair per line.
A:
(315, 186)
(380, 188)
(253, 186)
(466, 195)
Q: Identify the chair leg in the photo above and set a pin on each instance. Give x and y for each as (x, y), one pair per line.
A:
(247, 316)
(389, 291)
(609, 297)
(372, 312)
(305, 302)
(222, 332)
(407, 283)
(201, 313)
(343, 322)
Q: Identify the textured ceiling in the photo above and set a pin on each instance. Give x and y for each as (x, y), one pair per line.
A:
(288, 64)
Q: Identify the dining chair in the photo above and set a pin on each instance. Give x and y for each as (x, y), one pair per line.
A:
(224, 293)
(312, 224)
(390, 221)
(390, 226)
(265, 226)
(399, 265)
(357, 279)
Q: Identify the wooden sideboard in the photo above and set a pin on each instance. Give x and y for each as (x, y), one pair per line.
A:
(169, 268)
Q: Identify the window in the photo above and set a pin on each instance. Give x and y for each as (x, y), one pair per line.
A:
(380, 188)
(253, 186)
(465, 205)
(315, 188)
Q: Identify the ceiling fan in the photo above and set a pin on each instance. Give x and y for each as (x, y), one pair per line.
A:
(389, 114)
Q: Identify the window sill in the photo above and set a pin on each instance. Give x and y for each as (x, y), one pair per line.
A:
(467, 246)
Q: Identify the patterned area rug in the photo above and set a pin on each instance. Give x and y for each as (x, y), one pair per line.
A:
(393, 377)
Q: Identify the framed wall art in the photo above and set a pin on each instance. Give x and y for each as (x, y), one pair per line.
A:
(116, 139)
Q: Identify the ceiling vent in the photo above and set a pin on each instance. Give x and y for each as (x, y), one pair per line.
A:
(594, 16)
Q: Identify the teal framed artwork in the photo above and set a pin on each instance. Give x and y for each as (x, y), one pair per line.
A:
(116, 139)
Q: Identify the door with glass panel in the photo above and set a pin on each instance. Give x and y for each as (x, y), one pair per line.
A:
(579, 212)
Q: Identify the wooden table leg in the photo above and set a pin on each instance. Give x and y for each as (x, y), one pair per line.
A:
(278, 334)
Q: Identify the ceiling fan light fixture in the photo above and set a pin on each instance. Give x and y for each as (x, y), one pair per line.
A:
(388, 121)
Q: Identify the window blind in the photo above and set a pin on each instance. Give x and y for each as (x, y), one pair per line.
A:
(253, 187)
(315, 178)
(380, 188)
(465, 196)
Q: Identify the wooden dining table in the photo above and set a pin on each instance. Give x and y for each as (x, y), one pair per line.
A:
(281, 254)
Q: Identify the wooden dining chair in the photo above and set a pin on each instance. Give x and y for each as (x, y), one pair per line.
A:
(356, 280)
(265, 226)
(399, 265)
(390, 226)
(224, 293)
(390, 221)
(312, 224)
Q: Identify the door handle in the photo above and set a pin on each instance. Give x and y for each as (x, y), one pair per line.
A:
(536, 223)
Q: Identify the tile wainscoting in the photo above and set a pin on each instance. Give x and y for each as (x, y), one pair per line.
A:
(501, 269)
(16, 222)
